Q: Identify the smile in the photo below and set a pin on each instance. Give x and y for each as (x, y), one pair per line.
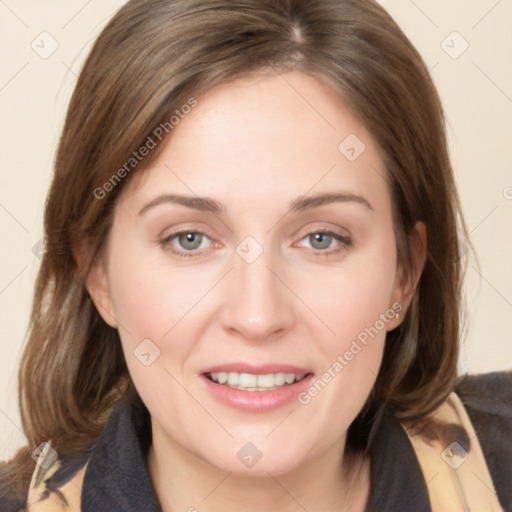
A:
(254, 382)
(256, 388)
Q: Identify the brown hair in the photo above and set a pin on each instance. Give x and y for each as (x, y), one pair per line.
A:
(152, 58)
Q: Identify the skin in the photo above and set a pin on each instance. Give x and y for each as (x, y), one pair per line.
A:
(255, 145)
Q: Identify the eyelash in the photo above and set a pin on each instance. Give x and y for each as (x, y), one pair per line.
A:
(345, 243)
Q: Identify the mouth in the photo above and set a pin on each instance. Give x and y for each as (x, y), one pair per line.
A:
(255, 388)
(253, 381)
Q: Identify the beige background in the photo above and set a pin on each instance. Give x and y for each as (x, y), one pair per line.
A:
(476, 89)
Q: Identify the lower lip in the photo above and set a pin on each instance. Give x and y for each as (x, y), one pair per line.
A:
(256, 401)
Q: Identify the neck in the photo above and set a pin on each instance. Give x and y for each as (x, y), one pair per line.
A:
(185, 482)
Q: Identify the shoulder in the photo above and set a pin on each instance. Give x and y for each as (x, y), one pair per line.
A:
(488, 402)
(488, 398)
(14, 481)
(10, 499)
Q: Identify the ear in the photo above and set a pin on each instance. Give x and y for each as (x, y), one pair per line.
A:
(405, 286)
(96, 283)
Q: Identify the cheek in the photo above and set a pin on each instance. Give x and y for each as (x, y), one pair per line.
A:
(352, 298)
(355, 306)
(151, 307)
(151, 301)
(142, 304)
(356, 318)
(150, 295)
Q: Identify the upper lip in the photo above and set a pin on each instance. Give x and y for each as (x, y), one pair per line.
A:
(260, 369)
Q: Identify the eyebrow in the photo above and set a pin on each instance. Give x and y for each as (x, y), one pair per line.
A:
(197, 203)
(300, 204)
(309, 202)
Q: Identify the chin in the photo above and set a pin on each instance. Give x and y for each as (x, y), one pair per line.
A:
(254, 459)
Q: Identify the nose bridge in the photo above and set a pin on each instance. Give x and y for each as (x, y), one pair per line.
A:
(257, 305)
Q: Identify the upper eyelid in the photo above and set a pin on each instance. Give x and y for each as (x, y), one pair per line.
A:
(321, 229)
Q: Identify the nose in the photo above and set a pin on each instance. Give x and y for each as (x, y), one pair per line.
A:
(257, 305)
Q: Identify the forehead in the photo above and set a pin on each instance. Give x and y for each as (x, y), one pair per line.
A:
(265, 133)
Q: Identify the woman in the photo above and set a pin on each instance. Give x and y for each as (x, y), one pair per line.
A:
(251, 286)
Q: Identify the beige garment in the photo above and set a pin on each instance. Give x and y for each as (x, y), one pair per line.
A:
(457, 480)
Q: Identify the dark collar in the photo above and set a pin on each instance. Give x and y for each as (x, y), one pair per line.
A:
(117, 478)
(397, 482)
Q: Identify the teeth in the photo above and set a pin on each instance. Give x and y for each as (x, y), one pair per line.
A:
(289, 378)
(250, 382)
(246, 380)
(280, 379)
(268, 381)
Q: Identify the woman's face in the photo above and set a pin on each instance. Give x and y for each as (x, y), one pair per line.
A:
(258, 249)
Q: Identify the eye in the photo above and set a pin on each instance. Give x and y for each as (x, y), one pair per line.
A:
(186, 243)
(190, 243)
(326, 241)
